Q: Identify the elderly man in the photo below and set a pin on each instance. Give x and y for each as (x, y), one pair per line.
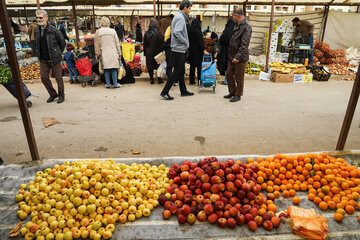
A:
(238, 56)
(50, 44)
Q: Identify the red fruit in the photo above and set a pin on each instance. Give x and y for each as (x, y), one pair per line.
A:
(240, 219)
(169, 190)
(224, 200)
(205, 187)
(191, 219)
(238, 206)
(283, 215)
(245, 187)
(205, 178)
(167, 205)
(276, 221)
(268, 225)
(249, 217)
(172, 173)
(241, 194)
(177, 180)
(222, 187)
(220, 173)
(208, 209)
(200, 173)
(173, 197)
(215, 179)
(192, 178)
(238, 184)
(230, 186)
(256, 189)
(219, 205)
(227, 214)
(233, 201)
(198, 191)
(254, 168)
(186, 210)
(234, 212)
(219, 213)
(231, 223)
(230, 162)
(173, 209)
(199, 198)
(270, 196)
(198, 183)
(213, 218)
(184, 175)
(181, 219)
(201, 216)
(187, 198)
(166, 214)
(214, 197)
(247, 176)
(259, 220)
(231, 177)
(207, 201)
(215, 165)
(227, 171)
(252, 226)
(228, 194)
(267, 217)
(193, 165)
(188, 192)
(180, 195)
(222, 222)
(215, 188)
(178, 203)
(162, 199)
(184, 168)
(223, 165)
(183, 188)
(251, 196)
(254, 211)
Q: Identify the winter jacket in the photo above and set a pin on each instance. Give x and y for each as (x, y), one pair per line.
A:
(107, 48)
(224, 46)
(31, 30)
(138, 35)
(196, 49)
(153, 45)
(69, 59)
(119, 28)
(63, 31)
(164, 23)
(240, 40)
(55, 43)
(179, 33)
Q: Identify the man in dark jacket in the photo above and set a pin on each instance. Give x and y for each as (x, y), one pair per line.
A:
(119, 28)
(238, 56)
(63, 31)
(50, 44)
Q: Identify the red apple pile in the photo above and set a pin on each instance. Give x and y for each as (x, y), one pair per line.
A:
(223, 193)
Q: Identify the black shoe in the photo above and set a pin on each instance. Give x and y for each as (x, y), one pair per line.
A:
(77, 82)
(229, 95)
(51, 99)
(29, 104)
(235, 99)
(166, 96)
(71, 82)
(185, 94)
(152, 81)
(60, 100)
(160, 81)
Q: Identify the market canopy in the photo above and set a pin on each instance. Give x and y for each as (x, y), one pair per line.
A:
(24, 3)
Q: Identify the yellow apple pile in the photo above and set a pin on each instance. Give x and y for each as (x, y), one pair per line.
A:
(85, 198)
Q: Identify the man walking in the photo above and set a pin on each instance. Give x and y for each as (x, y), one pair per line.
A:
(50, 44)
(179, 46)
(238, 56)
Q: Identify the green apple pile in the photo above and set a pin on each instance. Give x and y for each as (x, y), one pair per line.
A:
(85, 198)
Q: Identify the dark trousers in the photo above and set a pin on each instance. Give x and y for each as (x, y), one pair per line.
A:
(178, 62)
(192, 72)
(57, 73)
(235, 76)
(33, 48)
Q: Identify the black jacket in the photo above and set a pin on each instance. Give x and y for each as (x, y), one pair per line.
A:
(240, 40)
(153, 45)
(119, 28)
(139, 35)
(224, 46)
(55, 41)
(196, 40)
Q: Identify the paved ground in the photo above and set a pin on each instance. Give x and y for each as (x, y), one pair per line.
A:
(98, 122)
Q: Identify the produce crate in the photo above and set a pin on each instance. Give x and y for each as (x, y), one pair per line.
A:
(320, 74)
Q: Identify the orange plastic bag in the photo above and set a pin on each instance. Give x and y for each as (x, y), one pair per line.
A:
(307, 224)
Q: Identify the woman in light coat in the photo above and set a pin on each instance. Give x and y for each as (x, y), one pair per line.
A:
(107, 50)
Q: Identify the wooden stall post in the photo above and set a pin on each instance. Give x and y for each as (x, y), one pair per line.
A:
(15, 72)
(154, 6)
(270, 33)
(76, 25)
(26, 17)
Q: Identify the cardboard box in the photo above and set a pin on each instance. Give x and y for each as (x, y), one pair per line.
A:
(282, 78)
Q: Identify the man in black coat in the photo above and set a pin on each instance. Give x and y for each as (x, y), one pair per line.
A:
(119, 28)
(50, 44)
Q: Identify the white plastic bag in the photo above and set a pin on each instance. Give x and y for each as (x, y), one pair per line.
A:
(161, 71)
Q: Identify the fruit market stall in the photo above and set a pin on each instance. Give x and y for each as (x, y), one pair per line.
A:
(56, 191)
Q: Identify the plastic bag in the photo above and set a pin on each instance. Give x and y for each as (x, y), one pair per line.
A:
(128, 51)
(161, 71)
(307, 224)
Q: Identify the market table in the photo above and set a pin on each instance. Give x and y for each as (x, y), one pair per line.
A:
(154, 227)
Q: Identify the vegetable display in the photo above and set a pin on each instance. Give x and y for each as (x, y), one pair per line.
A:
(5, 75)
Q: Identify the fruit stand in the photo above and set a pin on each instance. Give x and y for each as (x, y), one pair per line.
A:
(155, 226)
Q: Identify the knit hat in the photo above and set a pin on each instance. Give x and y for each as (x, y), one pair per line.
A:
(69, 46)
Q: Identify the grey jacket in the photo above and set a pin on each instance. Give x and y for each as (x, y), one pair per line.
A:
(179, 34)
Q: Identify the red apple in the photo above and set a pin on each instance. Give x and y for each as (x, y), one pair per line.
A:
(227, 214)
(222, 222)
(219, 205)
(191, 219)
(219, 213)
(205, 178)
(177, 180)
(267, 217)
(186, 210)
(268, 225)
(231, 222)
(178, 203)
(249, 217)
(252, 226)
(234, 211)
(180, 195)
(230, 177)
(215, 188)
(200, 173)
(208, 209)
(167, 205)
(259, 220)
(181, 219)
(199, 199)
(276, 221)
(201, 216)
(198, 191)
(241, 194)
(215, 165)
(192, 178)
(166, 214)
(214, 197)
(220, 173)
(240, 219)
(206, 187)
(245, 187)
(184, 168)
(184, 175)
(254, 211)
(162, 199)
(213, 218)
(270, 196)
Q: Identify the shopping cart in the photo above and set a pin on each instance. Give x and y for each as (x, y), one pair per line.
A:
(83, 65)
(208, 73)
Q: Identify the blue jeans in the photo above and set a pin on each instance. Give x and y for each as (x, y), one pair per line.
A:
(73, 73)
(225, 82)
(114, 75)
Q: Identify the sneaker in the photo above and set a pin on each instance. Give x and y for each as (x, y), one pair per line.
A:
(235, 99)
(61, 100)
(185, 94)
(118, 86)
(166, 96)
(229, 96)
(51, 98)
(107, 86)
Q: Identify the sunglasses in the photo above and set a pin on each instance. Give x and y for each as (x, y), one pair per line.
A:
(39, 17)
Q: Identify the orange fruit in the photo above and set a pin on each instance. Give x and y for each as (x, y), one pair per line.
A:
(262, 211)
(327, 199)
(311, 196)
(339, 217)
(308, 166)
(325, 189)
(286, 194)
(358, 206)
(269, 189)
(323, 206)
(317, 200)
(296, 200)
(272, 207)
(292, 192)
(260, 180)
(331, 204)
(277, 194)
(312, 191)
(349, 209)
(276, 188)
(341, 211)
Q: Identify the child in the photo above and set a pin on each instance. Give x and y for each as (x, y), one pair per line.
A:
(70, 62)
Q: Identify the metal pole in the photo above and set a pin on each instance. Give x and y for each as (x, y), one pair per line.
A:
(26, 17)
(158, 9)
(229, 11)
(326, 14)
(93, 20)
(354, 97)
(76, 25)
(294, 9)
(37, 4)
(154, 6)
(270, 33)
(357, 9)
(15, 72)
(162, 9)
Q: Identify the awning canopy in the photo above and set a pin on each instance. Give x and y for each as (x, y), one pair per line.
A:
(22, 3)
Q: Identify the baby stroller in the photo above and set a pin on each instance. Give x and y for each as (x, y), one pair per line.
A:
(84, 65)
(208, 73)
(11, 89)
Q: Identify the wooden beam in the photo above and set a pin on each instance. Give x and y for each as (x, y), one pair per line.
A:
(354, 97)
(326, 14)
(26, 17)
(76, 25)
(37, 4)
(15, 72)
(154, 6)
(357, 9)
(158, 8)
(245, 8)
(270, 33)
(93, 19)
(229, 10)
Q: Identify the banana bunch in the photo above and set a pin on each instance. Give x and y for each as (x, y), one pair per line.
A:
(301, 71)
(282, 70)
